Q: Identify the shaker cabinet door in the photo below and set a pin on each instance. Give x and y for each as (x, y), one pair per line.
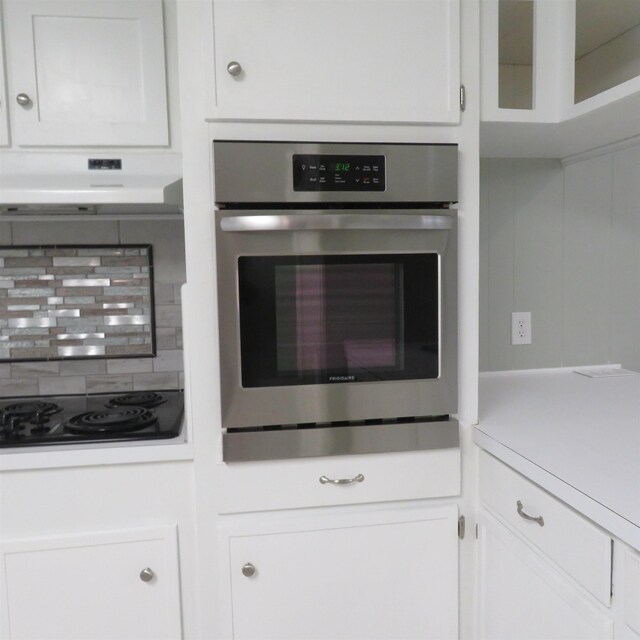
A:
(319, 60)
(85, 73)
(104, 585)
(386, 575)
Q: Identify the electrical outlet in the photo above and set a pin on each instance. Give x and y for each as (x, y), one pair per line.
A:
(521, 327)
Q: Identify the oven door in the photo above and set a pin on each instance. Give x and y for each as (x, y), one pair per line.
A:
(333, 316)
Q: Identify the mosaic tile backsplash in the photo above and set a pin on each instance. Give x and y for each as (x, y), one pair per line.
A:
(76, 302)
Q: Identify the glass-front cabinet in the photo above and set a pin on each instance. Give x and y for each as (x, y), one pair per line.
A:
(550, 61)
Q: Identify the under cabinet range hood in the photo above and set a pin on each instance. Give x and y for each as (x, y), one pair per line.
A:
(91, 183)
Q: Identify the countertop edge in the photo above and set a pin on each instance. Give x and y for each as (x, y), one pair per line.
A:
(601, 515)
(53, 458)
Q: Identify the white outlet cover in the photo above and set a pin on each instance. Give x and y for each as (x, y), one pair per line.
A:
(521, 327)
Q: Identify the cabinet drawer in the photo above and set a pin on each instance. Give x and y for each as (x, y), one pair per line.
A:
(573, 542)
(289, 484)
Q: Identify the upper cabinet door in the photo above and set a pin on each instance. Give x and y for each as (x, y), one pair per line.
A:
(321, 60)
(86, 72)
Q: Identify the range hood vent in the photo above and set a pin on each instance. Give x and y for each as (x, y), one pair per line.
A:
(85, 184)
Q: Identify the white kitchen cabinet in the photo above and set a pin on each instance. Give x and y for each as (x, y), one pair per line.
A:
(86, 73)
(4, 123)
(116, 584)
(321, 60)
(630, 586)
(523, 597)
(544, 570)
(360, 574)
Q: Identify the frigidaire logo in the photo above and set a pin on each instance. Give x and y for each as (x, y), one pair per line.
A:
(342, 378)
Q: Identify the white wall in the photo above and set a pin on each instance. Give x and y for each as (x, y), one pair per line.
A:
(563, 243)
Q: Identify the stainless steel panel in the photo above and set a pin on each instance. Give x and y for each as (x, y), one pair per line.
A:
(249, 407)
(256, 172)
(332, 441)
(335, 221)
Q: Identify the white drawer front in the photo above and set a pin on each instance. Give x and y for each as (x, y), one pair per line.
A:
(289, 484)
(573, 542)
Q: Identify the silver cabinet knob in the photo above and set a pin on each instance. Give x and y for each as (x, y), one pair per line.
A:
(23, 99)
(147, 575)
(234, 68)
(248, 570)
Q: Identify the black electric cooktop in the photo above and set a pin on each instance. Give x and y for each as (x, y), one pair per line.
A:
(43, 420)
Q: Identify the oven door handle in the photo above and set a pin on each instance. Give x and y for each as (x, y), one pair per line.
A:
(337, 222)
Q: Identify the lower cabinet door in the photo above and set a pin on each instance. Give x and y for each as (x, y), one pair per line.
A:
(115, 585)
(391, 574)
(523, 597)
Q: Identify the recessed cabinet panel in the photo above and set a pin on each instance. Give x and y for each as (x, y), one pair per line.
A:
(521, 596)
(341, 61)
(379, 575)
(104, 585)
(87, 73)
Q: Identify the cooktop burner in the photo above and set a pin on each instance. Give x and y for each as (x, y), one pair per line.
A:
(111, 421)
(104, 417)
(28, 410)
(146, 399)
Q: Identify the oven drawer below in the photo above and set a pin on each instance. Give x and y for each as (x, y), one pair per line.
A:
(289, 484)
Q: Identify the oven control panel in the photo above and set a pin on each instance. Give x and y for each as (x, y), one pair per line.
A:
(338, 173)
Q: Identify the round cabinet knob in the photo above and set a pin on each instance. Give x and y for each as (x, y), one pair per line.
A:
(23, 99)
(147, 575)
(234, 68)
(248, 570)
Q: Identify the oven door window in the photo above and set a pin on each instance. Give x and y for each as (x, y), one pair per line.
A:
(337, 319)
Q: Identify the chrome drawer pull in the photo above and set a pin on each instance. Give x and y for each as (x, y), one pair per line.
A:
(358, 478)
(522, 514)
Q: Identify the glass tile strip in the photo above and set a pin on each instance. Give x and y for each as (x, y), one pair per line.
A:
(98, 299)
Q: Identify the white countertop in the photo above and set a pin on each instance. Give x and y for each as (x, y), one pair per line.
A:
(577, 437)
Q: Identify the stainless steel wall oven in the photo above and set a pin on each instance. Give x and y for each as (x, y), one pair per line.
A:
(337, 297)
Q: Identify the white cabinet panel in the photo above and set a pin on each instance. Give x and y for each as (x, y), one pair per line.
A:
(370, 60)
(4, 122)
(87, 73)
(632, 591)
(90, 586)
(522, 597)
(389, 574)
(573, 542)
(288, 484)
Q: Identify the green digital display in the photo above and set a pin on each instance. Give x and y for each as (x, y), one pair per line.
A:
(342, 166)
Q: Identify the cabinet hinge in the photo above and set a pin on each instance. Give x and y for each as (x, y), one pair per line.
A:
(463, 98)
(461, 527)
